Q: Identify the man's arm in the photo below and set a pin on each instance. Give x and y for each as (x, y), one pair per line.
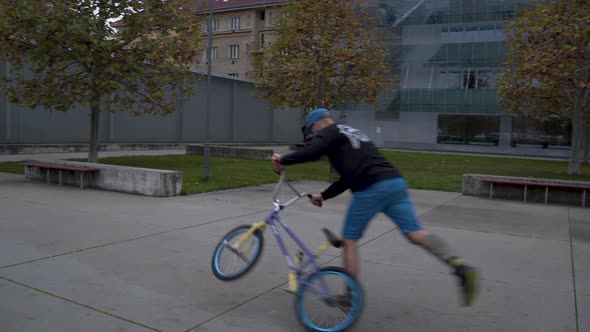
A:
(318, 147)
(334, 189)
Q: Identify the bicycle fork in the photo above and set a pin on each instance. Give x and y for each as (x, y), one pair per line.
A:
(236, 248)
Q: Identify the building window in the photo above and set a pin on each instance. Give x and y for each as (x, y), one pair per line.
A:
(234, 51)
(214, 24)
(467, 79)
(262, 15)
(235, 23)
(468, 129)
(552, 134)
(213, 54)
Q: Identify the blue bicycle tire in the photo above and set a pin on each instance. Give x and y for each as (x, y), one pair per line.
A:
(356, 300)
(215, 264)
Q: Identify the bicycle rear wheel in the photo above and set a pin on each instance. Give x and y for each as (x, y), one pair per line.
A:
(229, 262)
(332, 312)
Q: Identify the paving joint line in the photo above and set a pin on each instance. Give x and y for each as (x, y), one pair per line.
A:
(80, 304)
(236, 306)
(573, 270)
(128, 240)
(498, 233)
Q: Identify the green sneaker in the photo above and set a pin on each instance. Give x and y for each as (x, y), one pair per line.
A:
(468, 281)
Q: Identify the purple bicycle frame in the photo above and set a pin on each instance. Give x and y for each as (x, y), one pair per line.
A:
(310, 257)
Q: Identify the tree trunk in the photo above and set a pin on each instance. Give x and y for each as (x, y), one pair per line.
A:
(586, 154)
(93, 147)
(578, 133)
(94, 118)
(96, 92)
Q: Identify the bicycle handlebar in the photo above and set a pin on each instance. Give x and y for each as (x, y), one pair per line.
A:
(282, 180)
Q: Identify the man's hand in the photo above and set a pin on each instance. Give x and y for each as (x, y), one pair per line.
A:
(316, 199)
(276, 162)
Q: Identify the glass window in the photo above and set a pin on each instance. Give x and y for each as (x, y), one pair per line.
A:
(493, 50)
(479, 51)
(213, 53)
(214, 24)
(466, 51)
(468, 129)
(234, 51)
(552, 133)
(235, 23)
(451, 96)
(453, 51)
(485, 79)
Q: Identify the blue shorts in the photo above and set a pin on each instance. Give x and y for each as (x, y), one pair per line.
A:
(387, 196)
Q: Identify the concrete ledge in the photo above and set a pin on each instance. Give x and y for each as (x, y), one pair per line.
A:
(231, 152)
(13, 149)
(135, 180)
(474, 186)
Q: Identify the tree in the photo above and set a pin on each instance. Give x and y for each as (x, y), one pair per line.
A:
(325, 54)
(68, 52)
(548, 67)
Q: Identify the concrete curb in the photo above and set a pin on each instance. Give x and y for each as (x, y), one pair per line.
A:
(231, 152)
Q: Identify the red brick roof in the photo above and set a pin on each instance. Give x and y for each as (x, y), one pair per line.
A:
(236, 4)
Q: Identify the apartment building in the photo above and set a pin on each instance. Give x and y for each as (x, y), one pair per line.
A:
(240, 28)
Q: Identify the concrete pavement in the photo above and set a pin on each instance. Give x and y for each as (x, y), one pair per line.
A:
(90, 260)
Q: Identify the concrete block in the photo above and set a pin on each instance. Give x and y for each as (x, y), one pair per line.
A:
(231, 152)
(135, 180)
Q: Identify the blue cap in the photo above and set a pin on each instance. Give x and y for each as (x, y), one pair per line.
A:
(317, 115)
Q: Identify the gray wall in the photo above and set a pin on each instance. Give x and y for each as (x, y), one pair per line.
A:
(412, 126)
(236, 116)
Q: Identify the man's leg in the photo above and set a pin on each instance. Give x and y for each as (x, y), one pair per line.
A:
(363, 207)
(401, 211)
(431, 243)
(351, 257)
(468, 276)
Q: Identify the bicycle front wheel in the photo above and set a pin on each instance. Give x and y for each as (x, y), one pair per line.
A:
(330, 300)
(231, 261)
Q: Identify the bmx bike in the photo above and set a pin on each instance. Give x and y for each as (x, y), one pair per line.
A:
(327, 298)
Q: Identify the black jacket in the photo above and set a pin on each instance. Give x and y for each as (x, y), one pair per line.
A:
(351, 153)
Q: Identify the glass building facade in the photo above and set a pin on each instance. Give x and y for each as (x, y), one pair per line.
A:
(446, 56)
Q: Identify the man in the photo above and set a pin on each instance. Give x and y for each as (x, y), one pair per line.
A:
(377, 186)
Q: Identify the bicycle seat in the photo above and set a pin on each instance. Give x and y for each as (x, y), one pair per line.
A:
(333, 239)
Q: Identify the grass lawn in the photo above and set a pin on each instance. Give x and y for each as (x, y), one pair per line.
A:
(422, 170)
